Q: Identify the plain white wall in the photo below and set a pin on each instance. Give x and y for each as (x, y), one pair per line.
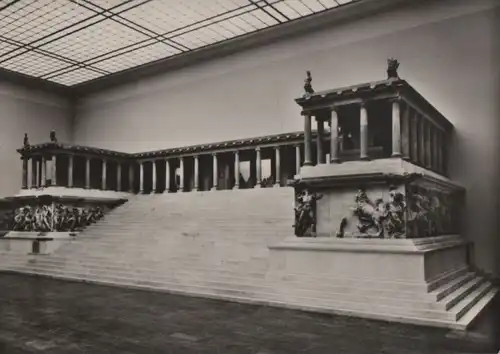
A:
(448, 50)
(24, 110)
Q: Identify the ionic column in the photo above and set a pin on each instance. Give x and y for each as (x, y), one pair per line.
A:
(131, 177)
(34, 172)
(104, 172)
(87, 173)
(334, 137)
(297, 159)
(197, 173)
(70, 171)
(405, 133)
(181, 173)
(44, 172)
(435, 148)
(258, 168)
(215, 172)
(167, 176)
(396, 129)
(153, 176)
(141, 177)
(363, 132)
(319, 141)
(307, 140)
(236, 169)
(54, 171)
(119, 176)
(24, 181)
(277, 161)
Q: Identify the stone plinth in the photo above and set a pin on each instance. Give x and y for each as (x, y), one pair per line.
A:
(387, 245)
(422, 281)
(35, 243)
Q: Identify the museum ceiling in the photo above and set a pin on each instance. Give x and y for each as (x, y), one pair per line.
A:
(70, 42)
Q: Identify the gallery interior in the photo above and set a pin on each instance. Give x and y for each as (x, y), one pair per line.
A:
(325, 157)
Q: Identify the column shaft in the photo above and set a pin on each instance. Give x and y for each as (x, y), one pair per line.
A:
(141, 177)
(87, 173)
(44, 172)
(277, 161)
(236, 169)
(181, 173)
(167, 176)
(307, 140)
(215, 173)
(363, 133)
(334, 137)
(54, 171)
(421, 139)
(258, 168)
(153, 177)
(428, 146)
(104, 174)
(405, 133)
(396, 129)
(70, 171)
(119, 176)
(197, 173)
(414, 136)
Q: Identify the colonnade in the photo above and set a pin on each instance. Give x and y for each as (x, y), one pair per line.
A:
(161, 174)
(414, 135)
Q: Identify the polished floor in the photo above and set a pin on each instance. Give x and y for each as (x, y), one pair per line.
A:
(42, 315)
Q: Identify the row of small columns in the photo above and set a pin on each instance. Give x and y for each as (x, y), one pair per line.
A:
(415, 137)
(215, 171)
(334, 138)
(39, 174)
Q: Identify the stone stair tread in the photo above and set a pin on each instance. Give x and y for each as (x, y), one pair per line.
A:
(456, 296)
(460, 309)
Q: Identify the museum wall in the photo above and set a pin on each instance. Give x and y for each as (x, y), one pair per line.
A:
(447, 52)
(23, 110)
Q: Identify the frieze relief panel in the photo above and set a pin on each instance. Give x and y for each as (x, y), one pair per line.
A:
(55, 217)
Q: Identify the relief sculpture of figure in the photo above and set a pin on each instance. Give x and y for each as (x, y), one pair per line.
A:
(305, 213)
(26, 142)
(392, 68)
(378, 219)
(53, 137)
(307, 84)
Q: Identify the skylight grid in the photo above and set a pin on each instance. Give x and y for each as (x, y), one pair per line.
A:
(137, 57)
(76, 77)
(6, 47)
(95, 40)
(41, 18)
(34, 64)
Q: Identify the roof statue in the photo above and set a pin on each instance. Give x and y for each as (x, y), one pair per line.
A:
(26, 142)
(53, 137)
(307, 84)
(392, 68)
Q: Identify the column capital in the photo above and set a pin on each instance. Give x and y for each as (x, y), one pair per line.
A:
(363, 104)
(214, 154)
(334, 108)
(397, 99)
(236, 152)
(257, 148)
(307, 114)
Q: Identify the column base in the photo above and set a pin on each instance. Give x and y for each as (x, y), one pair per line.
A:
(276, 185)
(396, 154)
(364, 158)
(236, 187)
(336, 160)
(258, 185)
(213, 189)
(307, 163)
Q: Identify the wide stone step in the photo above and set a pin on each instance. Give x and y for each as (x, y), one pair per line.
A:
(472, 298)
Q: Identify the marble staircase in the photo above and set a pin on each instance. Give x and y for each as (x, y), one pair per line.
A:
(215, 244)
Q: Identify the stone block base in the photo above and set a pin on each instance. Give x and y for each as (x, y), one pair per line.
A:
(424, 281)
(34, 242)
